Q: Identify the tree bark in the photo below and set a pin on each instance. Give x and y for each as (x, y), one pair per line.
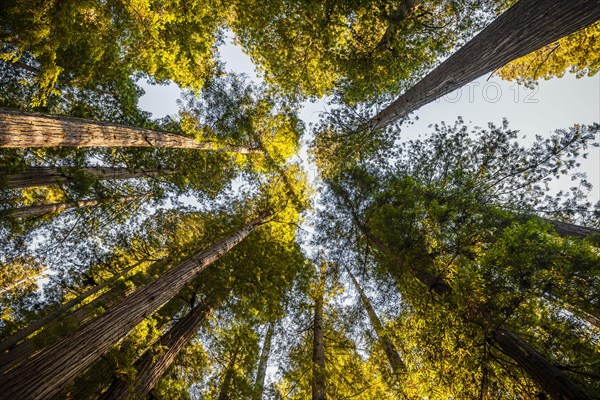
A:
(44, 176)
(544, 374)
(392, 354)
(55, 208)
(566, 229)
(152, 365)
(229, 372)
(318, 357)
(261, 371)
(10, 342)
(522, 29)
(44, 374)
(20, 129)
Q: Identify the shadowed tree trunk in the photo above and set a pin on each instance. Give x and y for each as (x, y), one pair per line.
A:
(44, 176)
(45, 373)
(261, 371)
(545, 375)
(390, 350)
(19, 129)
(522, 29)
(229, 374)
(55, 208)
(318, 357)
(566, 229)
(152, 365)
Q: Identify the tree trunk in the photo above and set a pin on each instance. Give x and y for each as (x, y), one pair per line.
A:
(152, 365)
(226, 385)
(393, 357)
(10, 342)
(544, 374)
(20, 129)
(44, 176)
(565, 229)
(522, 29)
(261, 372)
(44, 374)
(55, 208)
(318, 357)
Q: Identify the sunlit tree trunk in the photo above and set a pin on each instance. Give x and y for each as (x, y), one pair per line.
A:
(55, 208)
(522, 29)
(390, 350)
(44, 176)
(20, 129)
(45, 373)
(152, 365)
(544, 374)
(261, 372)
(318, 357)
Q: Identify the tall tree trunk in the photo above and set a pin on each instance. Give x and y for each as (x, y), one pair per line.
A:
(229, 373)
(11, 341)
(522, 29)
(318, 357)
(582, 311)
(55, 208)
(44, 176)
(547, 377)
(152, 365)
(566, 229)
(261, 371)
(20, 129)
(44, 374)
(393, 357)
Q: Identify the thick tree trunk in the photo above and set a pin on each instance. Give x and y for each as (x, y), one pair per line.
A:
(38, 324)
(44, 374)
(544, 374)
(55, 208)
(44, 176)
(566, 229)
(261, 371)
(318, 357)
(392, 354)
(522, 29)
(19, 129)
(152, 365)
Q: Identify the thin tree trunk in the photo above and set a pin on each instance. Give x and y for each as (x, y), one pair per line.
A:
(261, 371)
(318, 357)
(392, 354)
(38, 324)
(55, 208)
(44, 374)
(547, 377)
(229, 372)
(522, 29)
(20, 129)
(590, 316)
(152, 365)
(44, 176)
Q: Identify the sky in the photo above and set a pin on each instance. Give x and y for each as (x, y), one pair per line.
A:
(554, 104)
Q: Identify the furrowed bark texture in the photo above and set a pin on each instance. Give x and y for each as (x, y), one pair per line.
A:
(20, 129)
(392, 354)
(11, 341)
(44, 374)
(544, 374)
(522, 29)
(152, 365)
(41, 209)
(44, 176)
(318, 357)
(261, 373)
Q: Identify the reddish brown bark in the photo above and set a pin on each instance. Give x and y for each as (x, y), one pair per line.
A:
(522, 29)
(54, 208)
(318, 357)
(44, 374)
(19, 129)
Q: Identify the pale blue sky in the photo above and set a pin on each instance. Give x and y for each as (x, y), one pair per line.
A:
(557, 103)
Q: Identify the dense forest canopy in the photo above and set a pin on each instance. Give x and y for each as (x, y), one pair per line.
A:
(192, 257)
